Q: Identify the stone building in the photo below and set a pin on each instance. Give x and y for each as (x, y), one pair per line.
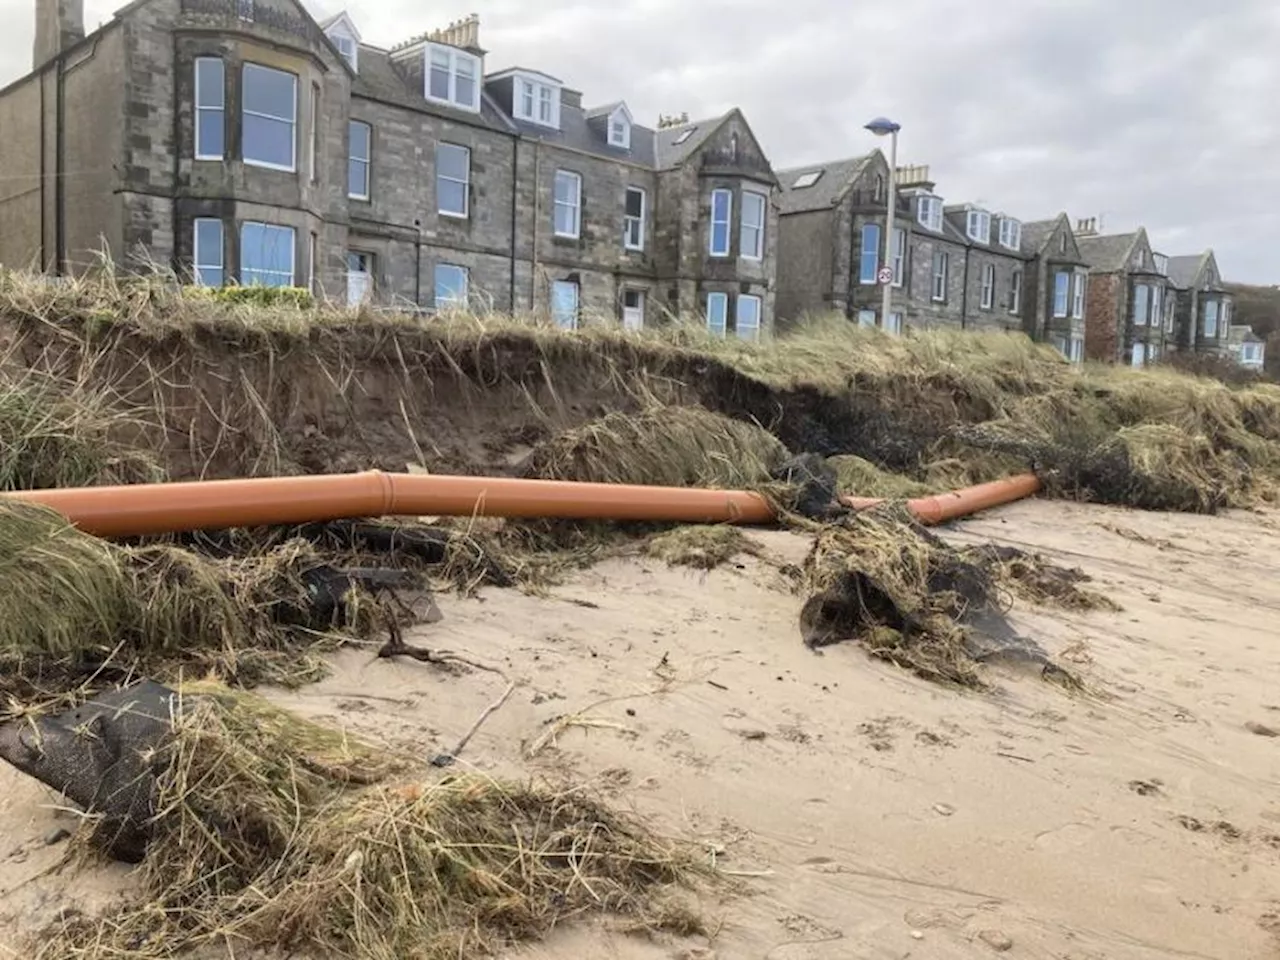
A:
(1054, 286)
(1202, 321)
(242, 141)
(1131, 301)
(960, 266)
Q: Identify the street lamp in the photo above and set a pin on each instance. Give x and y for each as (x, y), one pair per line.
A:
(883, 127)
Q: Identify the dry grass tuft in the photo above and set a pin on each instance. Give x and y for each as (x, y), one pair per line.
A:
(79, 608)
(857, 477)
(272, 832)
(703, 547)
(663, 446)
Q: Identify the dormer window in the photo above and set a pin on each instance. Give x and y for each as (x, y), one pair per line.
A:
(620, 127)
(342, 33)
(978, 228)
(537, 100)
(929, 212)
(1010, 233)
(453, 77)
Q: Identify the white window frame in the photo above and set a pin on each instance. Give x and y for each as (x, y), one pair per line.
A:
(988, 288)
(220, 109)
(929, 212)
(721, 307)
(539, 94)
(198, 254)
(1078, 294)
(352, 56)
(726, 222)
(462, 271)
(615, 119)
(754, 327)
(1015, 292)
(1061, 297)
(365, 290)
(313, 253)
(978, 226)
(894, 327)
(899, 256)
(280, 231)
(1225, 312)
(577, 303)
(1138, 355)
(366, 160)
(867, 318)
(941, 278)
(1010, 233)
(1251, 352)
(292, 121)
(750, 230)
(571, 206)
(1157, 306)
(465, 212)
(313, 141)
(633, 228)
(869, 252)
(453, 59)
(1077, 349)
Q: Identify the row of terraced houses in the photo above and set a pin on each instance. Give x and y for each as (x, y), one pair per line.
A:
(243, 141)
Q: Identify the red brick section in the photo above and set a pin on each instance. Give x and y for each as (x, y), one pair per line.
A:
(1102, 321)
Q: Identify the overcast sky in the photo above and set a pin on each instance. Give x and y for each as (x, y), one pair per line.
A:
(1159, 113)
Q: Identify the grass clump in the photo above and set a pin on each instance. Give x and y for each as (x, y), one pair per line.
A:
(857, 477)
(272, 832)
(703, 547)
(662, 446)
(76, 607)
(914, 600)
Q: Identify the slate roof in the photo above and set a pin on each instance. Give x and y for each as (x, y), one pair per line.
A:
(1036, 234)
(577, 133)
(671, 154)
(836, 177)
(1106, 254)
(1184, 270)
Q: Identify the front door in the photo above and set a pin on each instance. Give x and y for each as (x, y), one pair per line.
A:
(632, 309)
(359, 277)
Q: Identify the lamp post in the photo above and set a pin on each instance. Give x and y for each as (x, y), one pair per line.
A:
(883, 127)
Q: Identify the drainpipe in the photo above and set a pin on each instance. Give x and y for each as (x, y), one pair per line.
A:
(44, 180)
(854, 246)
(964, 293)
(59, 188)
(417, 264)
(537, 216)
(515, 209)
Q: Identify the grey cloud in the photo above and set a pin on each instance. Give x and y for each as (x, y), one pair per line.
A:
(1150, 112)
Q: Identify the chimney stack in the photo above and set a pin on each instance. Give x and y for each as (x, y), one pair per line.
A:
(59, 25)
(1087, 227)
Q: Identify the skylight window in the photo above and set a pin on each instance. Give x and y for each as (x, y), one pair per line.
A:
(806, 180)
(685, 135)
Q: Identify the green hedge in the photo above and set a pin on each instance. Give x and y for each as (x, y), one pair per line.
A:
(255, 296)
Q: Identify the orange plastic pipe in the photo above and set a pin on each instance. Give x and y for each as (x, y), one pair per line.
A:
(147, 509)
(944, 507)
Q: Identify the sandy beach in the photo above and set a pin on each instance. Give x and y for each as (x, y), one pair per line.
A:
(866, 813)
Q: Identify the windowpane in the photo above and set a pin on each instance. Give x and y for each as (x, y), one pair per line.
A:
(753, 220)
(721, 219)
(451, 285)
(207, 253)
(266, 255)
(210, 85)
(269, 92)
(358, 164)
(568, 193)
(564, 304)
(210, 133)
(747, 321)
(717, 313)
(1015, 292)
(268, 141)
(633, 219)
(870, 261)
(452, 179)
(1061, 284)
(439, 82)
(899, 255)
(1140, 294)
